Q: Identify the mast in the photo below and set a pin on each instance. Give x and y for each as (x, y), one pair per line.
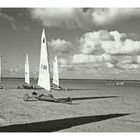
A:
(47, 47)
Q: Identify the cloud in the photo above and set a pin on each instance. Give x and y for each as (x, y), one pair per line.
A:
(90, 43)
(110, 65)
(125, 63)
(109, 59)
(69, 18)
(61, 46)
(63, 62)
(102, 41)
(117, 36)
(127, 66)
(10, 19)
(127, 47)
(96, 42)
(83, 58)
(138, 59)
(72, 18)
(105, 16)
(94, 59)
(110, 49)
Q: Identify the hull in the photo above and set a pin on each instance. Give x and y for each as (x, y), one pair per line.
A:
(58, 88)
(48, 98)
(26, 87)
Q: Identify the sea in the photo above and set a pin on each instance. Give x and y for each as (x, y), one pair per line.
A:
(12, 83)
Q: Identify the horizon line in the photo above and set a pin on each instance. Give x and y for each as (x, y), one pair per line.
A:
(76, 79)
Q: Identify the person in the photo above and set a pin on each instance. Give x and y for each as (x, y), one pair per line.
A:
(39, 94)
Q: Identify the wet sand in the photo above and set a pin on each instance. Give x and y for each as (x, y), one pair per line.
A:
(98, 109)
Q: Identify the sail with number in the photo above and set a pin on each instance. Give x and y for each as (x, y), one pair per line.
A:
(27, 74)
(44, 73)
(55, 72)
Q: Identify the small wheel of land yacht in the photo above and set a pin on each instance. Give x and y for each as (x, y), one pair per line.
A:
(26, 97)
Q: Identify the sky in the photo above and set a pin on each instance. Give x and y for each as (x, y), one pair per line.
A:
(90, 43)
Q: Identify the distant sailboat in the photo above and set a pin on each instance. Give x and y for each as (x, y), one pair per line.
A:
(55, 82)
(27, 73)
(44, 70)
(27, 76)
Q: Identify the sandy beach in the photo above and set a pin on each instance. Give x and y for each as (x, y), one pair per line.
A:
(100, 109)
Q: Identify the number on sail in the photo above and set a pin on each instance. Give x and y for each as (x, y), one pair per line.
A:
(43, 40)
(44, 67)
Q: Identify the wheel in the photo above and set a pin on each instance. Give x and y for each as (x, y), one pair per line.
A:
(50, 95)
(69, 100)
(23, 86)
(34, 87)
(26, 97)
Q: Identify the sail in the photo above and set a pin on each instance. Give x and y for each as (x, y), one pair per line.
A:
(44, 73)
(0, 68)
(55, 72)
(27, 75)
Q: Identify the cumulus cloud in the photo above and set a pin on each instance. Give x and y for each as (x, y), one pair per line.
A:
(110, 65)
(109, 58)
(103, 58)
(63, 62)
(90, 43)
(116, 35)
(127, 66)
(125, 63)
(61, 46)
(127, 47)
(83, 58)
(102, 41)
(138, 59)
(103, 47)
(97, 42)
(72, 18)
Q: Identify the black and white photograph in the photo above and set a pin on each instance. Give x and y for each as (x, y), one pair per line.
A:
(69, 69)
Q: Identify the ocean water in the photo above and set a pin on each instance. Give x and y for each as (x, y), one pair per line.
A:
(12, 83)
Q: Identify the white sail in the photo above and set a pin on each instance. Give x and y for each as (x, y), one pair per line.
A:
(44, 73)
(27, 74)
(55, 72)
(0, 68)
